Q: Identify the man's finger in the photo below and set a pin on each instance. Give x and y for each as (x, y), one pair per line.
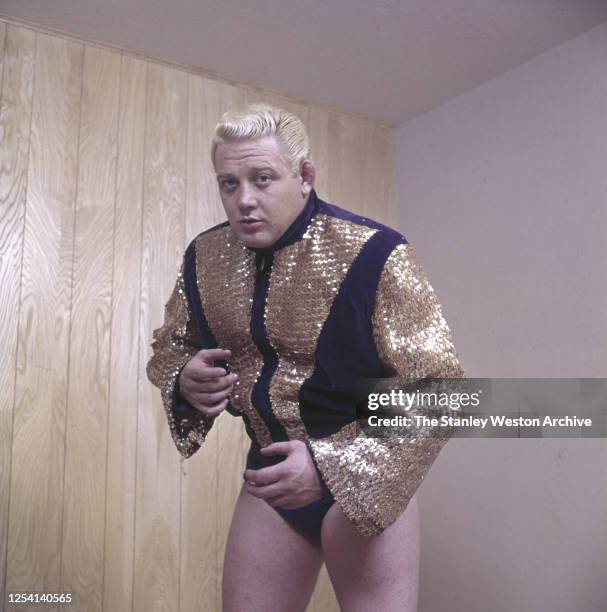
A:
(278, 448)
(212, 410)
(268, 492)
(281, 501)
(216, 384)
(264, 476)
(205, 373)
(203, 391)
(213, 354)
(210, 399)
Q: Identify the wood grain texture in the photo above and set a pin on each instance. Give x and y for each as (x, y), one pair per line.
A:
(88, 391)
(200, 551)
(124, 354)
(3, 28)
(16, 87)
(105, 177)
(377, 172)
(38, 464)
(158, 493)
(318, 130)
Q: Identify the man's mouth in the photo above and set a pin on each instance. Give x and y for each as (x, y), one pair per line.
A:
(250, 224)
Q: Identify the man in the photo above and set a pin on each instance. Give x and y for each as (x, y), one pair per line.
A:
(275, 315)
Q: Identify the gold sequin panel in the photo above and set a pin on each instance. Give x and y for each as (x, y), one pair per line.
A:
(410, 332)
(174, 345)
(373, 479)
(226, 280)
(305, 280)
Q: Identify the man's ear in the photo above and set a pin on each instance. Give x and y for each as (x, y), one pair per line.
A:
(308, 176)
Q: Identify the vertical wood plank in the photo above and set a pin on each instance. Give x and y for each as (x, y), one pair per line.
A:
(124, 364)
(208, 101)
(345, 167)
(37, 477)
(377, 171)
(158, 494)
(318, 130)
(3, 28)
(88, 388)
(88, 392)
(17, 82)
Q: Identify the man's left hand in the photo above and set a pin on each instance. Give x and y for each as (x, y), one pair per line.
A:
(293, 483)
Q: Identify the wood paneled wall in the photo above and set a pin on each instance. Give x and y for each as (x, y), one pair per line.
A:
(105, 176)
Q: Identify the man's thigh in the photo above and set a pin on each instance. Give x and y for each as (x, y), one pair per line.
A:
(267, 565)
(379, 572)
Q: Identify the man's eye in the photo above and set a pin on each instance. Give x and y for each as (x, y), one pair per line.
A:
(264, 178)
(227, 183)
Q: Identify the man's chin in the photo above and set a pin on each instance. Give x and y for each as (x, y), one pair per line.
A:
(256, 241)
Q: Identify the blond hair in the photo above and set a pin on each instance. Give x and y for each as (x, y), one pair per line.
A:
(259, 119)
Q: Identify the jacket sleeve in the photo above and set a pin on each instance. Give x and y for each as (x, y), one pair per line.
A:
(373, 478)
(175, 343)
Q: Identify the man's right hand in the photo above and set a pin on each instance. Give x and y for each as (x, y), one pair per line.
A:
(205, 386)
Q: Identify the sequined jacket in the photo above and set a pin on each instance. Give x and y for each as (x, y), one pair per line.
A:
(337, 298)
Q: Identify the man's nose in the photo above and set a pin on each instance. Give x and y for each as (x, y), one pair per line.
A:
(246, 199)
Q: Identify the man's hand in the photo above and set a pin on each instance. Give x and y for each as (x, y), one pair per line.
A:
(293, 483)
(206, 387)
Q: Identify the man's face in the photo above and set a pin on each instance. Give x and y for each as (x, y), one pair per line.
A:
(259, 195)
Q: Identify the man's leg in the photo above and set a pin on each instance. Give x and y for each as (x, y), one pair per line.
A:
(373, 573)
(267, 565)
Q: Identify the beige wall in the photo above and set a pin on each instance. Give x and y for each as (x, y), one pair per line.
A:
(503, 192)
(104, 178)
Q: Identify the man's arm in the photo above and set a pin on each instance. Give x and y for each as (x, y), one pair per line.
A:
(175, 343)
(373, 479)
